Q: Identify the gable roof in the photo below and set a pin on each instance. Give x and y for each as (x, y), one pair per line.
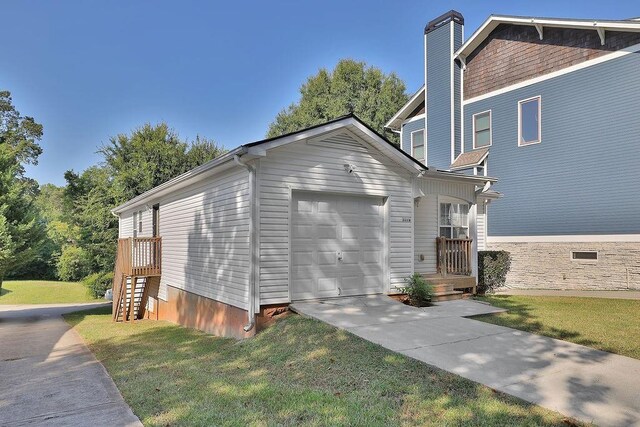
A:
(470, 158)
(414, 102)
(601, 26)
(258, 149)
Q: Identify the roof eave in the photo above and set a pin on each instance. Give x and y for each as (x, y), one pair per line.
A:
(406, 109)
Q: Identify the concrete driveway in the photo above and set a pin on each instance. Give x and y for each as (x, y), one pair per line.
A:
(578, 381)
(48, 376)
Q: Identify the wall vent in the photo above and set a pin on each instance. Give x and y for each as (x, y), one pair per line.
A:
(584, 255)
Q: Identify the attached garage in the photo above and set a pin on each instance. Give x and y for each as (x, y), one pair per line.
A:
(325, 212)
(337, 245)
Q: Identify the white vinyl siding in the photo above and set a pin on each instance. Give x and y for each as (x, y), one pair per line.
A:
(426, 217)
(481, 221)
(426, 231)
(126, 223)
(319, 166)
(205, 238)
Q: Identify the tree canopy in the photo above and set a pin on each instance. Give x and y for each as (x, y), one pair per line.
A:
(351, 88)
(21, 230)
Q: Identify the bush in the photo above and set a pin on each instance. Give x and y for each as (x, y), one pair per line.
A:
(493, 267)
(98, 283)
(418, 290)
(74, 264)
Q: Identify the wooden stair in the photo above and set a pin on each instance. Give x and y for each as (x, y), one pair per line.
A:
(451, 287)
(123, 311)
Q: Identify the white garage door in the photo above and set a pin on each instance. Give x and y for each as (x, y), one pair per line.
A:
(337, 245)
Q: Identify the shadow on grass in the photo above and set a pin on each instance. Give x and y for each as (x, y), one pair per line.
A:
(4, 291)
(522, 316)
(299, 371)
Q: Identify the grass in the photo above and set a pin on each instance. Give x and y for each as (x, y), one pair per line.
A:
(43, 292)
(299, 371)
(611, 325)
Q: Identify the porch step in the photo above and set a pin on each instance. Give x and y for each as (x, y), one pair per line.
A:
(455, 281)
(443, 287)
(447, 296)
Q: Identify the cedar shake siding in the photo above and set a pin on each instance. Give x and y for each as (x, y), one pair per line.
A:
(514, 53)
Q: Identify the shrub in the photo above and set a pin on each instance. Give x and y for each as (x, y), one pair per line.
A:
(418, 290)
(493, 267)
(98, 283)
(74, 264)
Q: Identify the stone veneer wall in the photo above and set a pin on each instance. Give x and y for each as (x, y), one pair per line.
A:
(549, 266)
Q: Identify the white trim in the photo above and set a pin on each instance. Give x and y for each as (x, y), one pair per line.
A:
(406, 108)
(414, 119)
(539, 23)
(426, 108)
(473, 124)
(462, 66)
(452, 84)
(589, 63)
(539, 140)
(573, 238)
(423, 142)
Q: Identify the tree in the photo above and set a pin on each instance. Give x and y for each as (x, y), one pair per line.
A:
(21, 230)
(132, 164)
(351, 88)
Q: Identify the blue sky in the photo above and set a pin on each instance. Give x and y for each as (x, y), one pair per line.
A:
(88, 70)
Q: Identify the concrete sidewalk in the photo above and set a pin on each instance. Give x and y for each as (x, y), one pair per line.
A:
(48, 376)
(570, 293)
(590, 385)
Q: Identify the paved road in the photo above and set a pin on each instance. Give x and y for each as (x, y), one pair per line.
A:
(578, 381)
(48, 376)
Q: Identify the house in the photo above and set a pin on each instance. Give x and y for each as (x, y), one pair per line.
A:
(333, 210)
(552, 108)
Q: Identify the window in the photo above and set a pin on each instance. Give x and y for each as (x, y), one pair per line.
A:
(417, 144)
(454, 220)
(139, 221)
(584, 255)
(482, 129)
(529, 121)
(135, 224)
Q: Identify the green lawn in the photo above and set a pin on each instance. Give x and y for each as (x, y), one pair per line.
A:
(299, 371)
(611, 325)
(43, 292)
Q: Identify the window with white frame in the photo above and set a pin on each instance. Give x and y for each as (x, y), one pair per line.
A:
(530, 121)
(482, 129)
(454, 220)
(135, 224)
(139, 221)
(417, 144)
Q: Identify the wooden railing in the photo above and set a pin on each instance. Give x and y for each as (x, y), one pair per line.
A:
(136, 257)
(454, 256)
(140, 256)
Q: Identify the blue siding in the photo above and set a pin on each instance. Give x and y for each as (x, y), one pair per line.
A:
(457, 104)
(407, 128)
(584, 177)
(439, 56)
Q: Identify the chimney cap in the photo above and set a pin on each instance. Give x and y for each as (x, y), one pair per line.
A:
(445, 18)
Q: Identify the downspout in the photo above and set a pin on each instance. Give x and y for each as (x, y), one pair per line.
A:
(252, 242)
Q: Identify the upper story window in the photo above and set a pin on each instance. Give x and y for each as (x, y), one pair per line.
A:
(530, 121)
(417, 144)
(482, 129)
(137, 223)
(454, 220)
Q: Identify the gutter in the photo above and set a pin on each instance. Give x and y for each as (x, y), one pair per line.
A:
(252, 244)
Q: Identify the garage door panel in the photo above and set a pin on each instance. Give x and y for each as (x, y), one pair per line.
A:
(324, 225)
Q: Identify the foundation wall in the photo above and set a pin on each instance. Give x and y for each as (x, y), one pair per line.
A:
(549, 266)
